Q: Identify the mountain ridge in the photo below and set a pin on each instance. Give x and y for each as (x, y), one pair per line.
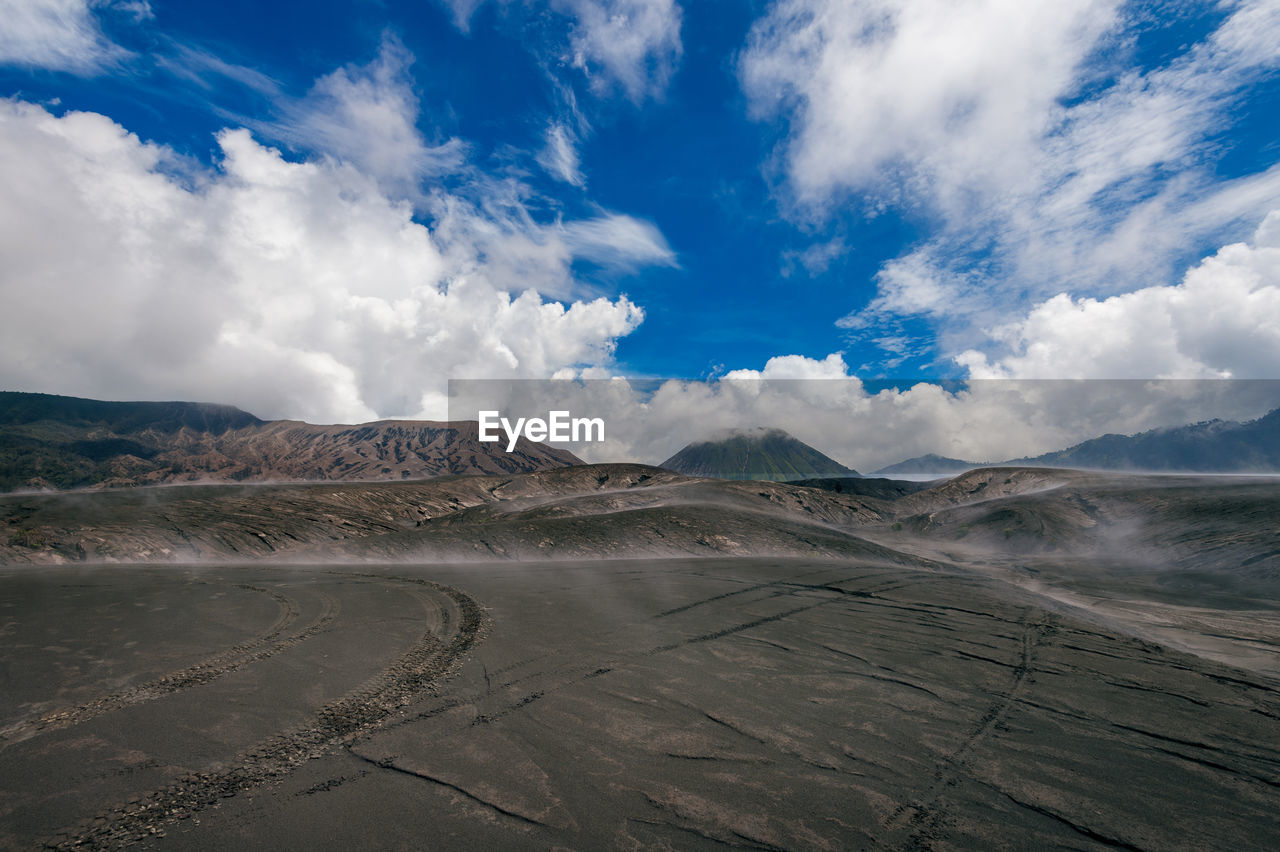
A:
(1210, 446)
(53, 442)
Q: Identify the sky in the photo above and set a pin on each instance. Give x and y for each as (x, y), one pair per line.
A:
(326, 210)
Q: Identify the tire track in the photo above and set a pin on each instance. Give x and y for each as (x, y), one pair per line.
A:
(538, 684)
(924, 816)
(565, 677)
(260, 647)
(831, 586)
(435, 655)
(575, 671)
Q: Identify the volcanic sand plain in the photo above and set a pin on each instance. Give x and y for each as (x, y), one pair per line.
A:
(953, 681)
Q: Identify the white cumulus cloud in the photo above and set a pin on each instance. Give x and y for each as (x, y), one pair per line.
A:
(915, 85)
(294, 289)
(1037, 153)
(1222, 320)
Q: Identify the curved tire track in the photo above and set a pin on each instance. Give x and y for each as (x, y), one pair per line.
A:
(435, 655)
(260, 647)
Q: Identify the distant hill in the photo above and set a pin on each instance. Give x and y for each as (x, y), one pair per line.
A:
(1219, 446)
(26, 409)
(769, 454)
(928, 464)
(1215, 446)
(63, 442)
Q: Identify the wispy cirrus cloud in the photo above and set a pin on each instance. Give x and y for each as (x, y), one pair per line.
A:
(630, 47)
(63, 35)
(206, 69)
(618, 241)
(368, 116)
(559, 155)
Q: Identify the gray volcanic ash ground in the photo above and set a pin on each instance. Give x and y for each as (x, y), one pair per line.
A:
(1012, 658)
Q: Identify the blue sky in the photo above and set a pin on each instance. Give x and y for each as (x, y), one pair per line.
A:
(324, 210)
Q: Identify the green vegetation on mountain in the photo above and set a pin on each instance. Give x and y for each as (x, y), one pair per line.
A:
(769, 454)
(68, 442)
(43, 413)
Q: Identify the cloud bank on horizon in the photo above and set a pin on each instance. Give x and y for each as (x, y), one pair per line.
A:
(329, 219)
